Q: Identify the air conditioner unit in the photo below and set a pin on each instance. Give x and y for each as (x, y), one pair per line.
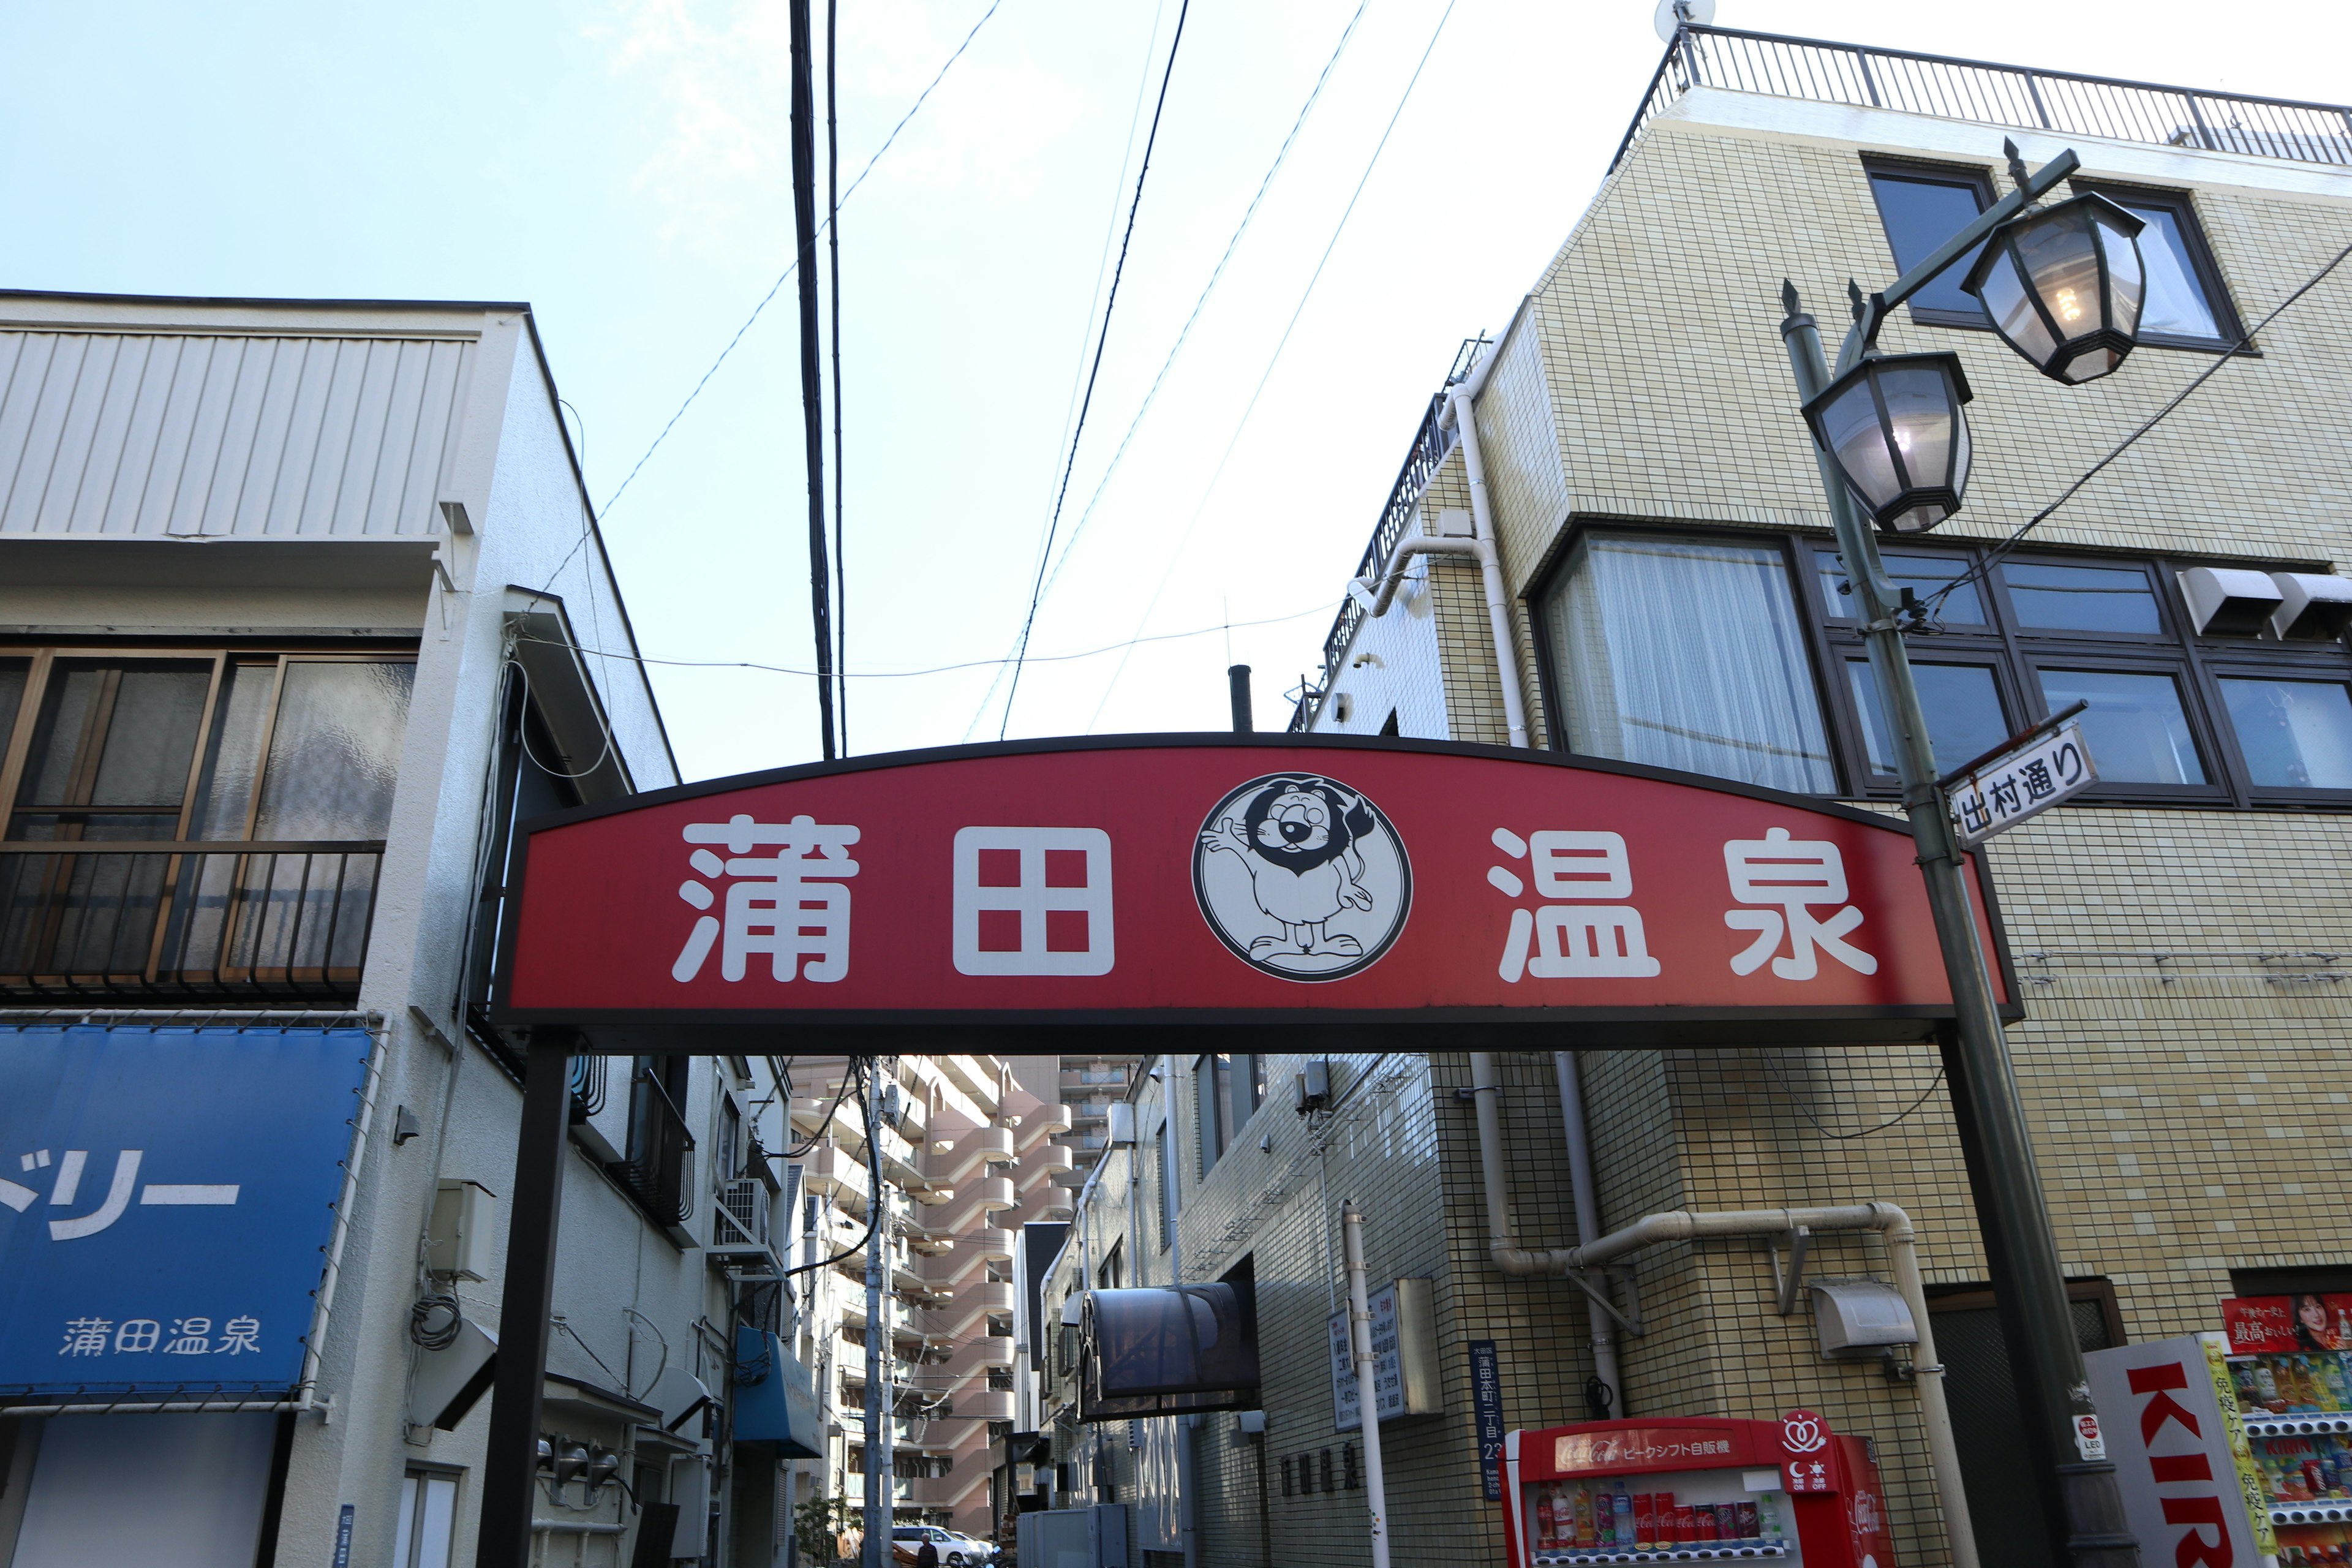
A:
(740, 1226)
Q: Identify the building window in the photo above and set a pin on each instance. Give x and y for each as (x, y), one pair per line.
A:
(656, 1170)
(1231, 1088)
(2186, 306)
(428, 1517)
(1686, 653)
(264, 782)
(1921, 206)
(2173, 716)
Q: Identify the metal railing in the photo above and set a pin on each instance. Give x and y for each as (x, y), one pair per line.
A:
(185, 921)
(657, 1172)
(1950, 88)
(1431, 442)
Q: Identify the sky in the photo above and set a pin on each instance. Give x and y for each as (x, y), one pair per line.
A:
(623, 166)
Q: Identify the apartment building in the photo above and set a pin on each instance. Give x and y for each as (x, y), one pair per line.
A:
(302, 608)
(969, 1158)
(1091, 1085)
(1668, 593)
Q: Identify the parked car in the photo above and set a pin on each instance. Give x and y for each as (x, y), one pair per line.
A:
(956, 1550)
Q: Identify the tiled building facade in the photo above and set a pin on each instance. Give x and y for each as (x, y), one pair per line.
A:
(2185, 1051)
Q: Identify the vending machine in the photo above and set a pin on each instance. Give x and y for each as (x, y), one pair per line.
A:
(1682, 1491)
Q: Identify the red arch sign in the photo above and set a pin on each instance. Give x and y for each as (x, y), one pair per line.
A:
(1231, 880)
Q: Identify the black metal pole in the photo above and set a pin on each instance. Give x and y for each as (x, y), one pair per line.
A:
(2087, 1528)
(511, 1465)
(811, 375)
(1238, 679)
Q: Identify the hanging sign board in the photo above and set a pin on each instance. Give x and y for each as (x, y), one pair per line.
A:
(2004, 792)
(1211, 878)
(1404, 1356)
(166, 1200)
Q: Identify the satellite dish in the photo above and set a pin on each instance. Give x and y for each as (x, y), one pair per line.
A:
(1672, 13)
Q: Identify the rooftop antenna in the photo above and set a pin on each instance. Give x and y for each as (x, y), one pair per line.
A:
(1673, 16)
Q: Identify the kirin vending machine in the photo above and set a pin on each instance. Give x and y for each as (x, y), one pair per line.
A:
(1680, 1491)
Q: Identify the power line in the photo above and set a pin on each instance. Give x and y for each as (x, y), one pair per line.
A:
(1993, 557)
(1250, 408)
(833, 243)
(1215, 273)
(1322, 609)
(785, 276)
(1046, 554)
(811, 375)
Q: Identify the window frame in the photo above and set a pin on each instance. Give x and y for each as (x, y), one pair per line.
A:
(1552, 578)
(2201, 263)
(218, 656)
(1977, 176)
(2016, 653)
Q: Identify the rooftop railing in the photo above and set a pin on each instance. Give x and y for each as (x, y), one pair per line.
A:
(1950, 88)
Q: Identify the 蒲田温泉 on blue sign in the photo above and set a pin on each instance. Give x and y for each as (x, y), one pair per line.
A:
(166, 1198)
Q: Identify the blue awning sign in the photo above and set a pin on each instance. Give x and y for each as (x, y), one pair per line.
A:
(166, 1198)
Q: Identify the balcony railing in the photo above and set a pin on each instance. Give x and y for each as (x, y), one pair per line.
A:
(185, 921)
(1430, 445)
(2031, 100)
(659, 1172)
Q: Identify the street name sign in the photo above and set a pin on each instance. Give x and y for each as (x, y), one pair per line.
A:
(2000, 794)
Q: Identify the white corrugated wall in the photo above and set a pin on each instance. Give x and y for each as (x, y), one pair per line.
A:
(230, 436)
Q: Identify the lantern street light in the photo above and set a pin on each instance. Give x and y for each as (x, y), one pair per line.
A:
(1893, 426)
(1892, 447)
(2063, 286)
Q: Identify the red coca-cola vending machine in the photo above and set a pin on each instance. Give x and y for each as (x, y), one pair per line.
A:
(1680, 1491)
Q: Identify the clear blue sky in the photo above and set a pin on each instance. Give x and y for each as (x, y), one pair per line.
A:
(623, 167)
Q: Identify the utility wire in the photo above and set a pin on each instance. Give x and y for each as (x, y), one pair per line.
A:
(1993, 557)
(1250, 408)
(1215, 273)
(785, 276)
(1046, 554)
(832, 245)
(804, 139)
(1323, 609)
(1806, 1112)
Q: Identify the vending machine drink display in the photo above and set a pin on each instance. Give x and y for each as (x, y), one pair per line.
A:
(1678, 1491)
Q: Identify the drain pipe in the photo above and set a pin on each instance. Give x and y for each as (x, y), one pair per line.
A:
(1486, 1088)
(1368, 1410)
(1582, 1187)
(1902, 1253)
(1482, 548)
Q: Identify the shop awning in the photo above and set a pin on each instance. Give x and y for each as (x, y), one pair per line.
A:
(1166, 1351)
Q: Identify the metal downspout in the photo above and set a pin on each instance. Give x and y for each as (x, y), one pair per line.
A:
(1578, 1133)
(1490, 560)
(1895, 1225)
(1368, 1410)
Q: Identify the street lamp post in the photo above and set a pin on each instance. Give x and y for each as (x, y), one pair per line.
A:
(1909, 483)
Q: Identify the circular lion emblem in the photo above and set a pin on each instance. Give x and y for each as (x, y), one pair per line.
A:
(1302, 877)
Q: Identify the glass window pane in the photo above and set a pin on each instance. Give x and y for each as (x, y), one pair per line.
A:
(2295, 734)
(2082, 598)
(334, 752)
(2135, 728)
(1685, 653)
(233, 760)
(2176, 302)
(1920, 214)
(1961, 703)
(113, 734)
(1923, 573)
(13, 673)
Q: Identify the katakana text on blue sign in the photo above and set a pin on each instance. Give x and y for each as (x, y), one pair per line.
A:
(166, 1199)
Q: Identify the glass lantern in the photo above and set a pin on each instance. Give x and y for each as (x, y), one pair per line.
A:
(1893, 427)
(2063, 286)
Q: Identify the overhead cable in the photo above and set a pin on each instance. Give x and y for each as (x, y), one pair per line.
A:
(1102, 340)
(1994, 556)
(785, 276)
(1218, 473)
